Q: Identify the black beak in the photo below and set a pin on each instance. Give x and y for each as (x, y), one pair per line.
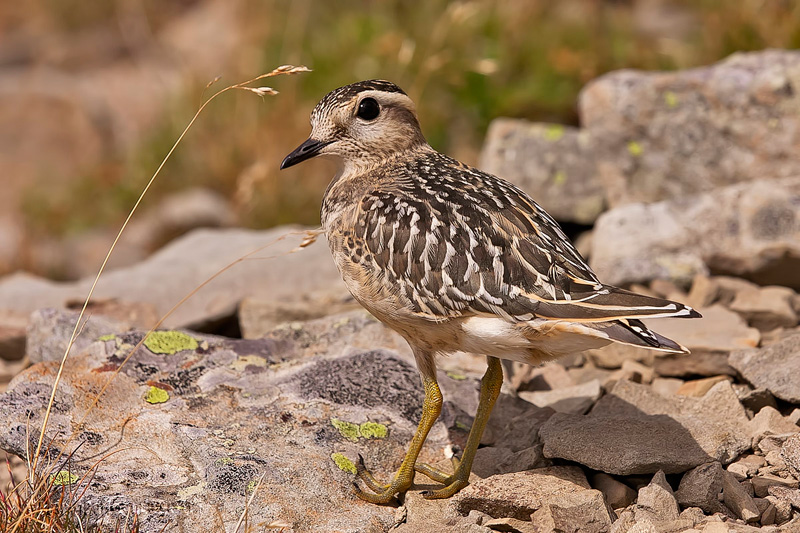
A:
(307, 150)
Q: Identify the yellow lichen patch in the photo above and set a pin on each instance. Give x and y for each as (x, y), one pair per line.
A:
(458, 376)
(170, 342)
(344, 464)
(554, 132)
(63, 478)
(635, 149)
(109, 337)
(560, 177)
(348, 430)
(156, 395)
(671, 99)
(373, 430)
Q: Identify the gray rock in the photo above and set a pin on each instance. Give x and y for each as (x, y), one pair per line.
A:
(656, 501)
(555, 499)
(790, 452)
(773, 367)
(659, 135)
(738, 500)
(768, 421)
(552, 163)
(576, 399)
(700, 487)
(215, 414)
(182, 266)
(634, 430)
(744, 229)
(766, 308)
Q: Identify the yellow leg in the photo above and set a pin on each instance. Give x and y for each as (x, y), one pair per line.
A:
(490, 389)
(404, 477)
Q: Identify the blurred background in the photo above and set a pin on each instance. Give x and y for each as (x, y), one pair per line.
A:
(93, 94)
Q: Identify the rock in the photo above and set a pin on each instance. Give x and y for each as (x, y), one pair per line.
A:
(549, 376)
(630, 371)
(719, 330)
(614, 355)
(699, 387)
(667, 386)
(554, 498)
(746, 466)
(50, 331)
(515, 424)
(216, 414)
(576, 399)
(512, 525)
(258, 316)
(488, 460)
(617, 494)
(186, 263)
(766, 308)
(768, 421)
(786, 494)
(754, 400)
(767, 511)
(763, 482)
(696, 364)
(790, 452)
(659, 135)
(634, 430)
(656, 500)
(783, 509)
(738, 500)
(773, 367)
(700, 487)
(12, 335)
(746, 229)
(551, 162)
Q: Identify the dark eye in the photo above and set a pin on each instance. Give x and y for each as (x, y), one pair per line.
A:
(368, 109)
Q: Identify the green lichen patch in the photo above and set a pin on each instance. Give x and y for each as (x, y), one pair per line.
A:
(109, 337)
(671, 99)
(348, 430)
(344, 464)
(554, 132)
(560, 177)
(252, 486)
(170, 342)
(63, 478)
(225, 461)
(373, 430)
(635, 149)
(458, 376)
(156, 395)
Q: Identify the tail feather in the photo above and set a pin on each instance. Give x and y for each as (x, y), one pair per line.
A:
(634, 333)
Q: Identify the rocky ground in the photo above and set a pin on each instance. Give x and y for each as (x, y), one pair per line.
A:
(270, 380)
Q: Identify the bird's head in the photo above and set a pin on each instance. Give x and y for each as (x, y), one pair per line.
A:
(360, 125)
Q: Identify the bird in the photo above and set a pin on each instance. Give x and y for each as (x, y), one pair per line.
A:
(455, 259)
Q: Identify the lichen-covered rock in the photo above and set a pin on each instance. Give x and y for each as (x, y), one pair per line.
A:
(551, 162)
(661, 135)
(745, 229)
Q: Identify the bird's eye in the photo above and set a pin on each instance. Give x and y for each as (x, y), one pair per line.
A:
(368, 109)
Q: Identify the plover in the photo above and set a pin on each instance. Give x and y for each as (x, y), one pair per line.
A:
(455, 259)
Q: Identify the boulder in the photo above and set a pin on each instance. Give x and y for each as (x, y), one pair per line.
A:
(634, 430)
(745, 229)
(551, 162)
(773, 367)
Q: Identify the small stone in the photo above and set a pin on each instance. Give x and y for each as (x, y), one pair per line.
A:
(774, 367)
(699, 387)
(762, 483)
(774, 459)
(576, 399)
(550, 376)
(657, 500)
(693, 514)
(522, 460)
(786, 494)
(794, 416)
(783, 509)
(756, 399)
(667, 386)
(768, 513)
(768, 421)
(766, 308)
(488, 460)
(700, 487)
(512, 525)
(790, 453)
(738, 500)
(618, 494)
(632, 371)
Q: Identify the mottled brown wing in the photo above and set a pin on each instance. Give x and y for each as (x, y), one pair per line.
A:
(469, 243)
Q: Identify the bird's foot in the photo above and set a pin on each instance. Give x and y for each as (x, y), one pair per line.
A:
(452, 482)
(382, 493)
